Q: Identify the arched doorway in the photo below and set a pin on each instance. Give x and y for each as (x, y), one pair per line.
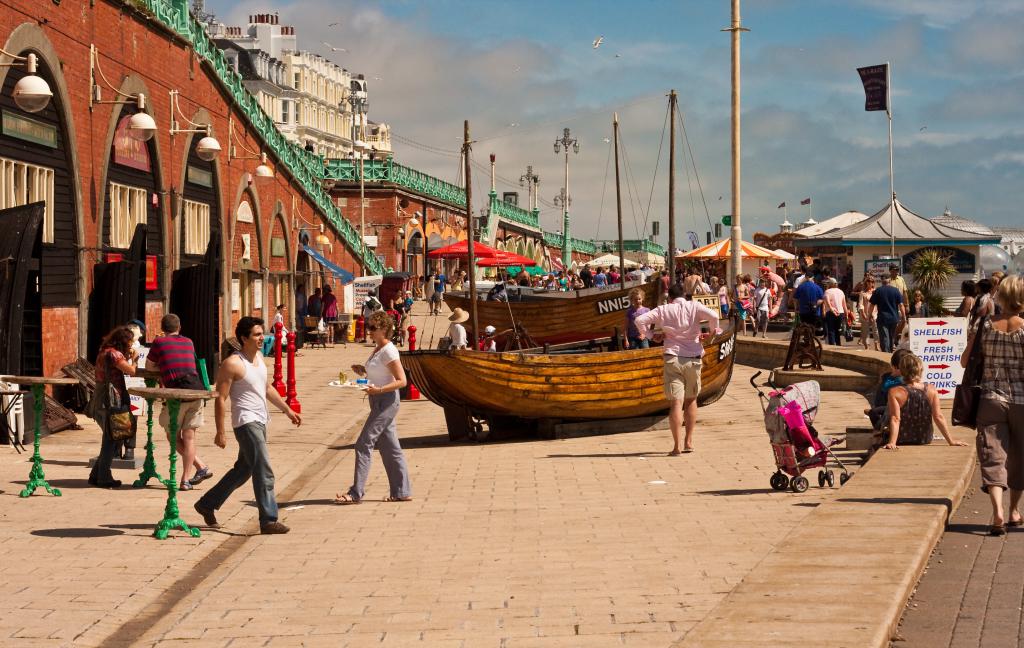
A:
(36, 165)
(196, 285)
(247, 250)
(280, 267)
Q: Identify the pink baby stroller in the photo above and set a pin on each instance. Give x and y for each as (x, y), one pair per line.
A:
(788, 417)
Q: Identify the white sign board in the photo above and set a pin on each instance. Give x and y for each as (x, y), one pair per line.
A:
(880, 267)
(361, 287)
(939, 342)
(138, 403)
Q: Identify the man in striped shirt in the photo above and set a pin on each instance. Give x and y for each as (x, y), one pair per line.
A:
(174, 356)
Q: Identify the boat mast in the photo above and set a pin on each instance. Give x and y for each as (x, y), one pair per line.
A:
(671, 260)
(736, 235)
(618, 196)
(466, 148)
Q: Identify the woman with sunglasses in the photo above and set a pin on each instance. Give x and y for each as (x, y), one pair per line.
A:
(386, 376)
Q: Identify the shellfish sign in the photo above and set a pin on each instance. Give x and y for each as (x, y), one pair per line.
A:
(939, 342)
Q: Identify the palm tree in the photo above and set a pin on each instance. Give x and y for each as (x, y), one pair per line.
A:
(932, 270)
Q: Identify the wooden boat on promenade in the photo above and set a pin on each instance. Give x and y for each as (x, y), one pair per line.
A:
(530, 391)
(560, 317)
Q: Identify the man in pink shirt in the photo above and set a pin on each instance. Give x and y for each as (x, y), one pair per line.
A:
(684, 324)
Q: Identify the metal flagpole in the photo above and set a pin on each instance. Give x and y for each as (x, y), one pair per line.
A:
(892, 188)
(736, 234)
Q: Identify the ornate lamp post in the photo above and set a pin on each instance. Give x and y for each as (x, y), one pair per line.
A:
(566, 142)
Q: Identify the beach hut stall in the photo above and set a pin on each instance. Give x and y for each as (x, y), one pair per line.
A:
(867, 245)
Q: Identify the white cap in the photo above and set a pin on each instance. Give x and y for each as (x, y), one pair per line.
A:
(490, 330)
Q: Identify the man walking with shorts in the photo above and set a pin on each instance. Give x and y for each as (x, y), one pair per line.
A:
(174, 356)
(684, 324)
(242, 379)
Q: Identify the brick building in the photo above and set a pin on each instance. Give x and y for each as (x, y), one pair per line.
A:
(242, 227)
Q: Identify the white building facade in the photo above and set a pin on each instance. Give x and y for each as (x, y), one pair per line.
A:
(306, 94)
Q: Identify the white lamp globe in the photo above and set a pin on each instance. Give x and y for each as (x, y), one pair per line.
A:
(32, 93)
(141, 127)
(208, 148)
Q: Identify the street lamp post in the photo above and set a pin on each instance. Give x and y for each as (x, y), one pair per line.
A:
(530, 179)
(565, 142)
(357, 99)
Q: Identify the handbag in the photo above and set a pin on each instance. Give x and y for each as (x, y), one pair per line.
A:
(116, 409)
(967, 395)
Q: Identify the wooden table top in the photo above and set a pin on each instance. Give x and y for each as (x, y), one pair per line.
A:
(12, 392)
(162, 393)
(39, 380)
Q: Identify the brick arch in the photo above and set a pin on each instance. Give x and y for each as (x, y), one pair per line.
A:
(280, 220)
(133, 84)
(200, 116)
(30, 37)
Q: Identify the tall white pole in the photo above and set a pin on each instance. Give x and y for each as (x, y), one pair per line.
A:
(892, 186)
(566, 241)
(736, 259)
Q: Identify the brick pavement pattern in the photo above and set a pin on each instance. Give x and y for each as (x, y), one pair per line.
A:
(973, 591)
(593, 541)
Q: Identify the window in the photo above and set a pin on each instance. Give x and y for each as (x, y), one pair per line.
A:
(127, 209)
(21, 184)
(197, 227)
(285, 109)
(298, 81)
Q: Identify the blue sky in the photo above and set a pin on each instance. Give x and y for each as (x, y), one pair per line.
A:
(522, 71)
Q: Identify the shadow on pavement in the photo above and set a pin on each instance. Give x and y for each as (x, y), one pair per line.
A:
(76, 533)
(309, 502)
(71, 483)
(737, 491)
(63, 462)
(968, 529)
(607, 455)
(944, 501)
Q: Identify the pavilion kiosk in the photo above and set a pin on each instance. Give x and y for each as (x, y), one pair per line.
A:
(867, 246)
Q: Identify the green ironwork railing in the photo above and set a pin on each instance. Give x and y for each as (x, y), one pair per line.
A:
(633, 245)
(513, 213)
(307, 168)
(387, 170)
(554, 239)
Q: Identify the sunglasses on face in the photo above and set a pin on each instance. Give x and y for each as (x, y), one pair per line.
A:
(371, 329)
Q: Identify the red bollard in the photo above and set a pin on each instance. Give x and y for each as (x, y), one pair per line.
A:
(414, 394)
(360, 329)
(292, 400)
(278, 383)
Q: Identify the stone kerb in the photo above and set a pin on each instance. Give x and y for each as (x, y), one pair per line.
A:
(848, 571)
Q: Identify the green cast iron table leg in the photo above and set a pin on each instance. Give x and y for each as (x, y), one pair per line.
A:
(149, 465)
(172, 517)
(36, 478)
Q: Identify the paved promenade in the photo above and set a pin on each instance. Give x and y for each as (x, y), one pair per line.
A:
(594, 541)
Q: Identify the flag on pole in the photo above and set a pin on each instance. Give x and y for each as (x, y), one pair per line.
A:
(805, 201)
(781, 205)
(876, 80)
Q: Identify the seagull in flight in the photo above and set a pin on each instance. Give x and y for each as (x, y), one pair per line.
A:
(606, 140)
(618, 56)
(598, 41)
(333, 48)
(512, 124)
(922, 129)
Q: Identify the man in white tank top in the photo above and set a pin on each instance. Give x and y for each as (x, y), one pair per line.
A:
(242, 379)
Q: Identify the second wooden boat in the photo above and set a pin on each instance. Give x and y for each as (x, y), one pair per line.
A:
(530, 390)
(589, 314)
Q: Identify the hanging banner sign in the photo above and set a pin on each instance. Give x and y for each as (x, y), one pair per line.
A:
(939, 342)
(880, 267)
(129, 151)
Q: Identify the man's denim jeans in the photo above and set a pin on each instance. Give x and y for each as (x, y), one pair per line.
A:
(253, 461)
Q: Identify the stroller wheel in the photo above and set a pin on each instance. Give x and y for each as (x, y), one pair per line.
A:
(779, 481)
(831, 478)
(845, 477)
(821, 479)
(799, 484)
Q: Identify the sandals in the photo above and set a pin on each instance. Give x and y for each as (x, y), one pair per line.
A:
(997, 530)
(346, 500)
(397, 499)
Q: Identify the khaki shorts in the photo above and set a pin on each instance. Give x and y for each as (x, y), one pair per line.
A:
(682, 378)
(190, 416)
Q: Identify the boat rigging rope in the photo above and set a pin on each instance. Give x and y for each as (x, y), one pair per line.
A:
(657, 165)
(693, 161)
(632, 191)
(604, 189)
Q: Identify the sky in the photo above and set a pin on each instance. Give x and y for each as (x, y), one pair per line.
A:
(521, 72)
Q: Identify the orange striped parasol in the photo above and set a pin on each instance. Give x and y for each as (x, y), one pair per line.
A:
(722, 250)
